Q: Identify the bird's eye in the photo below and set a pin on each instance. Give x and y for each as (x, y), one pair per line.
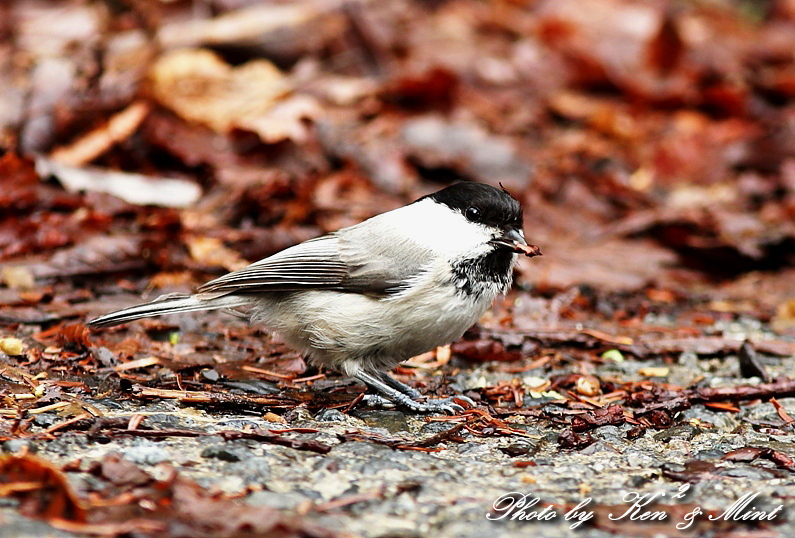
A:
(472, 214)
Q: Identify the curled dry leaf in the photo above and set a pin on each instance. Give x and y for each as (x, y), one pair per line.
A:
(588, 385)
(284, 121)
(241, 26)
(135, 189)
(210, 251)
(17, 277)
(90, 146)
(654, 371)
(42, 489)
(201, 88)
(75, 334)
(568, 439)
(12, 346)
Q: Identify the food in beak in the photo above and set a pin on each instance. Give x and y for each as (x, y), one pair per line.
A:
(528, 250)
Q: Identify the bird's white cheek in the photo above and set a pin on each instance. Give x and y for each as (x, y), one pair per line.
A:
(444, 231)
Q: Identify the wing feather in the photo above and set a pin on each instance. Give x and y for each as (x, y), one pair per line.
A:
(312, 264)
(354, 259)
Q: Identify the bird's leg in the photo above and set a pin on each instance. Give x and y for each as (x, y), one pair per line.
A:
(415, 394)
(396, 392)
(398, 385)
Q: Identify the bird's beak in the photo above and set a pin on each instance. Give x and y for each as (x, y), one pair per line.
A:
(510, 239)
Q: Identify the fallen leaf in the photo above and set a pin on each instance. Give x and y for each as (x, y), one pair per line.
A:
(120, 472)
(12, 346)
(654, 371)
(212, 252)
(93, 144)
(202, 88)
(17, 277)
(587, 385)
(286, 120)
(135, 189)
(42, 490)
(245, 25)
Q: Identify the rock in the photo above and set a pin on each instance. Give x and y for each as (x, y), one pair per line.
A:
(253, 470)
(681, 431)
(228, 451)
(433, 428)
(255, 386)
(148, 454)
(16, 526)
(330, 415)
(235, 424)
(13, 446)
(709, 455)
(211, 375)
(375, 465)
(599, 446)
(164, 421)
(519, 448)
(361, 449)
(105, 357)
(281, 501)
(45, 420)
(392, 421)
(611, 433)
(751, 473)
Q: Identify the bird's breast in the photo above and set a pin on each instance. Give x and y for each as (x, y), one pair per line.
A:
(487, 275)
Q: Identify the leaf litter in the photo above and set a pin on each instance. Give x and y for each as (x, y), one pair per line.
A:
(651, 145)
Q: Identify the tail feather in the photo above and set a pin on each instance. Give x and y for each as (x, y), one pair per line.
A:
(168, 304)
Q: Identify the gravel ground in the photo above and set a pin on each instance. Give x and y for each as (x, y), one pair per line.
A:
(371, 490)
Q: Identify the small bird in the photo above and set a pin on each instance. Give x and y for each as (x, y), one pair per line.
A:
(367, 297)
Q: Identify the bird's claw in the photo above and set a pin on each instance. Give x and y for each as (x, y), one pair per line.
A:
(444, 405)
(376, 400)
(449, 405)
(394, 393)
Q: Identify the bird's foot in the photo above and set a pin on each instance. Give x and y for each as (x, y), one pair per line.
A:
(376, 400)
(393, 393)
(444, 405)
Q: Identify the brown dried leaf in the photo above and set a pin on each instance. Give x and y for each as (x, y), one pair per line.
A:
(433, 90)
(202, 88)
(120, 472)
(76, 335)
(612, 414)
(569, 439)
(17, 277)
(286, 120)
(751, 453)
(42, 489)
(211, 252)
(665, 50)
(587, 385)
(93, 144)
(485, 350)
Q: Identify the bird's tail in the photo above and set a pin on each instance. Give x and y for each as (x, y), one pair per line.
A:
(169, 304)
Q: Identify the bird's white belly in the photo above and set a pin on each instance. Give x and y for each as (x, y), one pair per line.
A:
(349, 331)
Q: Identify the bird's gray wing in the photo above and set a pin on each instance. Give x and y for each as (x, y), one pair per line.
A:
(312, 264)
(339, 261)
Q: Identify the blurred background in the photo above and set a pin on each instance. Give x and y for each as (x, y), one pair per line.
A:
(652, 143)
(147, 146)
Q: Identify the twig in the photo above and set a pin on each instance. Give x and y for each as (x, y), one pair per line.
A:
(446, 435)
(215, 398)
(347, 501)
(229, 435)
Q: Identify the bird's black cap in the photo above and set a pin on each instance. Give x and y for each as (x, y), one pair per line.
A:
(481, 203)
